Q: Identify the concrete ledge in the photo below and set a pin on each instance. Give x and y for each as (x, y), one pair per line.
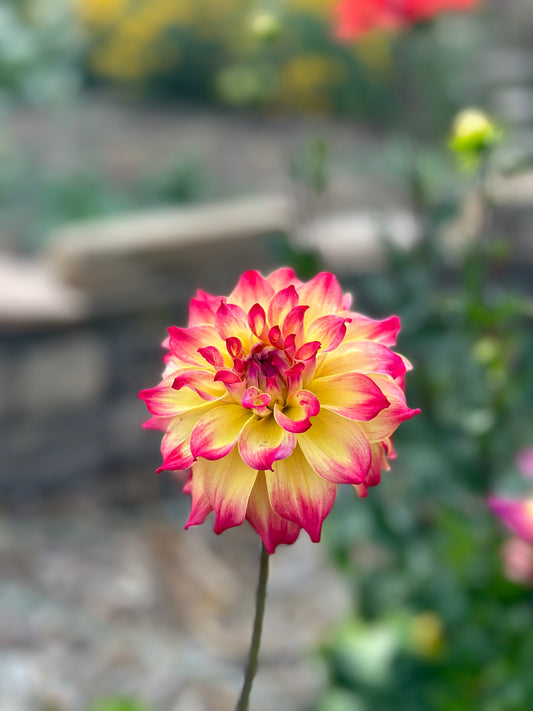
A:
(31, 294)
(354, 242)
(193, 244)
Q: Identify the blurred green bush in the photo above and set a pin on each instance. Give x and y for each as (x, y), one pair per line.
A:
(436, 626)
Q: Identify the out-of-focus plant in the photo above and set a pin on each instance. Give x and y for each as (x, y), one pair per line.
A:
(279, 54)
(429, 547)
(33, 203)
(39, 50)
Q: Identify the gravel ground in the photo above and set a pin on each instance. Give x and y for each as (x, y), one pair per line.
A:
(96, 603)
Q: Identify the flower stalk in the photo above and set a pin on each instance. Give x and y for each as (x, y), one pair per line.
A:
(251, 666)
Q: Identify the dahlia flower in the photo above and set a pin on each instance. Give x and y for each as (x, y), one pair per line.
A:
(357, 17)
(273, 396)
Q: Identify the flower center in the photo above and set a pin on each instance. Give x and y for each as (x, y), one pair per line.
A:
(265, 368)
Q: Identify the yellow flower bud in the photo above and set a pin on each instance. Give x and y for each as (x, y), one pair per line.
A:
(473, 132)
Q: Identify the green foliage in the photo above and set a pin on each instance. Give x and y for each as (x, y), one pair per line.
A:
(39, 49)
(436, 625)
(182, 180)
(33, 203)
(308, 167)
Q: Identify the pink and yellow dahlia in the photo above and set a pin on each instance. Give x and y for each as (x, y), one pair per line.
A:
(272, 396)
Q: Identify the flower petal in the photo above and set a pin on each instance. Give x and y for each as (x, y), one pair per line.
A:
(272, 528)
(283, 277)
(227, 484)
(257, 400)
(352, 395)
(386, 421)
(293, 323)
(300, 406)
(336, 448)
(257, 321)
(232, 322)
(217, 431)
(373, 477)
(308, 350)
(185, 342)
(213, 356)
(297, 493)
(281, 304)
(200, 506)
(252, 289)
(157, 423)
(201, 381)
(363, 357)
(165, 401)
(322, 294)
(202, 308)
(235, 387)
(329, 330)
(175, 445)
(367, 329)
(263, 442)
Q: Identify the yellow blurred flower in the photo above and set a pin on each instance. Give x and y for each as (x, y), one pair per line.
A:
(323, 8)
(374, 50)
(118, 62)
(427, 634)
(307, 80)
(100, 14)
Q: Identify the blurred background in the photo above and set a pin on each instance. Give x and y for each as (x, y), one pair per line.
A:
(152, 147)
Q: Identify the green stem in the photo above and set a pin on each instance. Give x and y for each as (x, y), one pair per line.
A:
(477, 262)
(251, 667)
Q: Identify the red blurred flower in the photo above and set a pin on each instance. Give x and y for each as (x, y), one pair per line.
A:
(272, 396)
(357, 17)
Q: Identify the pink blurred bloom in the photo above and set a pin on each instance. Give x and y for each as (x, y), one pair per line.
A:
(273, 396)
(518, 561)
(358, 17)
(517, 515)
(524, 462)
